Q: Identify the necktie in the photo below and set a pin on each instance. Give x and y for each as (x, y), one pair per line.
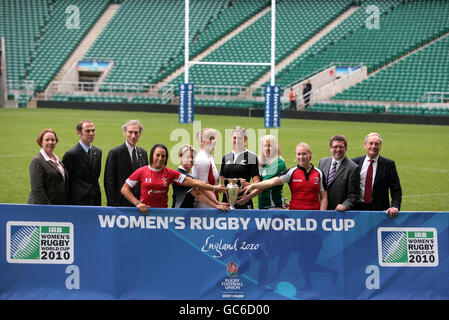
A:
(135, 162)
(89, 155)
(367, 197)
(331, 176)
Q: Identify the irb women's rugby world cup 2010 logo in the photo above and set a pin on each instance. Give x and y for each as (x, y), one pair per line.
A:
(39, 242)
(232, 269)
(407, 247)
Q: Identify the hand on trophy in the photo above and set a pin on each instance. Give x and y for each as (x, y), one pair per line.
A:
(244, 194)
(247, 189)
(243, 183)
(220, 188)
(242, 199)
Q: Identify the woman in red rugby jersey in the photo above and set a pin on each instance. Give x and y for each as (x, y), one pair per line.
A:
(155, 182)
(305, 181)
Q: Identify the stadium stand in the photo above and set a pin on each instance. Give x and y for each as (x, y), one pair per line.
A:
(42, 42)
(336, 46)
(409, 79)
(405, 55)
(253, 43)
(150, 47)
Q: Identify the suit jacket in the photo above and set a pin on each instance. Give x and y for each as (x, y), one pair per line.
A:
(84, 188)
(118, 168)
(47, 183)
(386, 180)
(345, 188)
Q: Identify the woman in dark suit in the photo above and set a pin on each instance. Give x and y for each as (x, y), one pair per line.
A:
(48, 176)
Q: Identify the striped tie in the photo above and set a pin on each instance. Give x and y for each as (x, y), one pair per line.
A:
(331, 176)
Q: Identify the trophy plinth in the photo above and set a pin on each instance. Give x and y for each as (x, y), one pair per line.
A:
(232, 191)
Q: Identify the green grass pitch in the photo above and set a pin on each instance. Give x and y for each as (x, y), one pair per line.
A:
(421, 152)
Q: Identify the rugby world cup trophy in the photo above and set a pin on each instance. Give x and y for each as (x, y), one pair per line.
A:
(232, 191)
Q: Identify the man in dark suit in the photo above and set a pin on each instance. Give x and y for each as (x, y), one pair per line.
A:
(83, 163)
(378, 176)
(306, 92)
(120, 165)
(342, 176)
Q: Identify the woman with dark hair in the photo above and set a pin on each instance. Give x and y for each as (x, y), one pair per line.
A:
(48, 176)
(155, 181)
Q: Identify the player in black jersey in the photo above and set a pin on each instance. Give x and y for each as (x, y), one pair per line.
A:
(240, 163)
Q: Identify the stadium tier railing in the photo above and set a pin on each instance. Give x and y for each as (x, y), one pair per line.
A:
(110, 89)
(431, 97)
(354, 65)
(164, 93)
(20, 90)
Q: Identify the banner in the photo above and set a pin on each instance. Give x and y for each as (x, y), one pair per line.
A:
(186, 103)
(272, 107)
(65, 252)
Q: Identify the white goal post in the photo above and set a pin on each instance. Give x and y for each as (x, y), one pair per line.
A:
(272, 63)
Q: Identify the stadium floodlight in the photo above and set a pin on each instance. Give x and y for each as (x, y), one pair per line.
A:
(272, 92)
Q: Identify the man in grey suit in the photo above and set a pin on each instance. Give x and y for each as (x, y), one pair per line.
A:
(121, 162)
(342, 176)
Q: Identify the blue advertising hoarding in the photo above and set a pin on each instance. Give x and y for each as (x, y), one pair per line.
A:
(186, 103)
(63, 252)
(272, 115)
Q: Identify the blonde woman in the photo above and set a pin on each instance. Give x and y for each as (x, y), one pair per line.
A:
(204, 168)
(305, 181)
(271, 165)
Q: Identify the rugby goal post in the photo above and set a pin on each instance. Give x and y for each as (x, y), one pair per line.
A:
(272, 92)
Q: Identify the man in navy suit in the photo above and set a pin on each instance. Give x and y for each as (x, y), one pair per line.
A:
(378, 177)
(83, 163)
(121, 162)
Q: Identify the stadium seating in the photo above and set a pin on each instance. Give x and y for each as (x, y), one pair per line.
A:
(42, 42)
(350, 108)
(145, 40)
(341, 44)
(409, 79)
(29, 18)
(244, 104)
(148, 48)
(296, 22)
(379, 109)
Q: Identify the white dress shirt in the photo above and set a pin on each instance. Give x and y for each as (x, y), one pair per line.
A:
(338, 164)
(130, 151)
(58, 165)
